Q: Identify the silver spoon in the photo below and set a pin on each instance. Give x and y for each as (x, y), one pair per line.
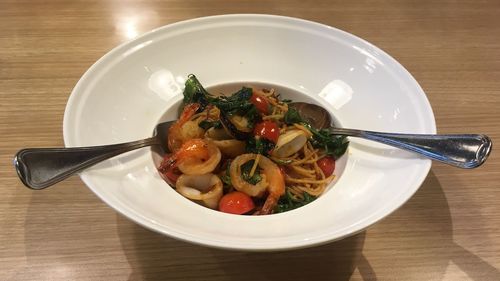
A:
(39, 168)
(464, 151)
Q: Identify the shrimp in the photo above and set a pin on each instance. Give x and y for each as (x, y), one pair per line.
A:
(272, 181)
(175, 133)
(197, 157)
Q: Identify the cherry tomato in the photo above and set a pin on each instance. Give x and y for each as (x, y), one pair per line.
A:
(327, 165)
(260, 103)
(268, 130)
(236, 203)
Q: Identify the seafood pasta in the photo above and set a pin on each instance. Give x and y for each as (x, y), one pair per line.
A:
(248, 153)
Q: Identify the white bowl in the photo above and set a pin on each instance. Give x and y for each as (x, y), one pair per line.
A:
(129, 90)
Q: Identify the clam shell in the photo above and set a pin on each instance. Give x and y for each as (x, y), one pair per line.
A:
(289, 143)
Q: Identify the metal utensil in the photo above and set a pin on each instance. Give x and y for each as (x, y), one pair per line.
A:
(464, 151)
(39, 168)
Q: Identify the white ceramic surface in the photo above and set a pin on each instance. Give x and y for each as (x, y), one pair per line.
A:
(123, 95)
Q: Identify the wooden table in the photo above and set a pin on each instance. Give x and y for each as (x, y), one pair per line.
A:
(450, 230)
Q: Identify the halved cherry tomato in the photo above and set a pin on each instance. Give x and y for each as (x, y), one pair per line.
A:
(260, 103)
(327, 165)
(268, 130)
(236, 203)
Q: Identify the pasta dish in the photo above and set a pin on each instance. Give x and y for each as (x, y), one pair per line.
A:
(251, 152)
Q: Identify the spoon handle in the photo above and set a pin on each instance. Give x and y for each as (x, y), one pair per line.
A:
(464, 151)
(39, 168)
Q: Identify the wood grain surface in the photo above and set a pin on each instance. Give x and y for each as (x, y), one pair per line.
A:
(450, 230)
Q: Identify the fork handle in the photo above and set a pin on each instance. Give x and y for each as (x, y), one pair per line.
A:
(465, 151)
(39, 168)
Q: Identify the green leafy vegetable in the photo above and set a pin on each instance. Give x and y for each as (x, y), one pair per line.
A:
(205, 124)
(292, 116)
(287, 202)
(259, 146)
(236, 102)
(245, 173)
(239, 104)
(252, 116)
(195, 93)
(226, 178)
(333, 145)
